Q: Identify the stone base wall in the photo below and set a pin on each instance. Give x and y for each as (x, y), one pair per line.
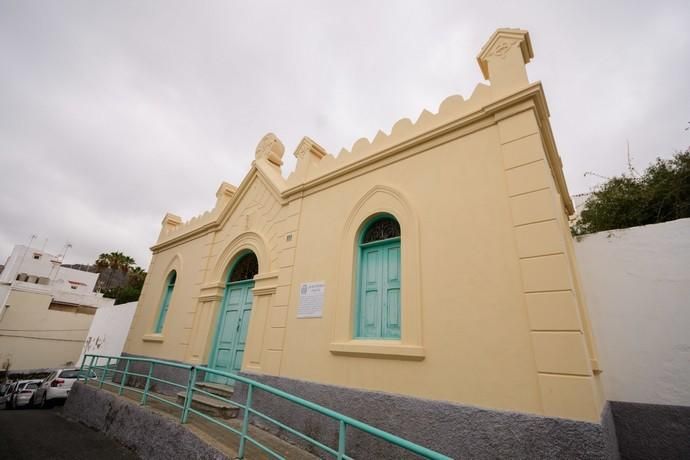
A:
(147, 433)
(647, 431)
(452, 429)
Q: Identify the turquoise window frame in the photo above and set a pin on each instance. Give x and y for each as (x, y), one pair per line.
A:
(361, 249)
(165, 304)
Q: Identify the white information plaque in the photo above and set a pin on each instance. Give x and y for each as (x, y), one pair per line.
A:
(311, 300)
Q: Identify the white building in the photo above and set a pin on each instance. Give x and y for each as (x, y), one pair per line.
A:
(45, 310)
(108, 332)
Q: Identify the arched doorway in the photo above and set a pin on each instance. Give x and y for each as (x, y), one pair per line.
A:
(233, 322)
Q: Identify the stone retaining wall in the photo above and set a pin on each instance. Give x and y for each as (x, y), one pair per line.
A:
(647, 431)
(452, 429)
(148, 434)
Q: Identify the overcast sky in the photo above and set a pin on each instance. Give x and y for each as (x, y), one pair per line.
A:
(114, 113)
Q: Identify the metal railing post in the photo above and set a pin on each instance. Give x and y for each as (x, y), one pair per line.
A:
(189, 395)
(87, 377)
(245, 421)
(107, 366)
(341, 440)
(81, 368)
(148, 383)
(124, 377)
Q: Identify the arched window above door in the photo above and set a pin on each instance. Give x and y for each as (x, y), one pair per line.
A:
(378, 285)
(245, 268)
(381, 229)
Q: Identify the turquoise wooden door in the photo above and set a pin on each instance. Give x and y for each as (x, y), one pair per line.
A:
(233, 325)
(379, 290)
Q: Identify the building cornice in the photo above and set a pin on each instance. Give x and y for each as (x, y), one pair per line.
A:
(529, 98)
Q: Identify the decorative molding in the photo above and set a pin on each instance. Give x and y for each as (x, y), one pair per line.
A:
(210, 297)
(266, 276)
(271, 149)
(201, 225)
(212, 286)
(378, 349)
(308, 146)
(381, 199)
(316, 169)
(500, 43)
(153, 338)
(246, 241)
(266, 283)
(267, 290)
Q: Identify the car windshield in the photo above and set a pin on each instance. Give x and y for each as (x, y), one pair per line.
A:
(30, 386)
(70, 374)
(76, 374)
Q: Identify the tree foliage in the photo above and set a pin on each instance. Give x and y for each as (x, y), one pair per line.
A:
(660, 194)
(129, 279)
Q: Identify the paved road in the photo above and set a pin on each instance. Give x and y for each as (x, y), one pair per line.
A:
(35, 434)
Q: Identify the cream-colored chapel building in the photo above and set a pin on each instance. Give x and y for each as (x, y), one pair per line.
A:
(434, 261)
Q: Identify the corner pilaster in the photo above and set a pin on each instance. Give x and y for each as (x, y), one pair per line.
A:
(566, 379)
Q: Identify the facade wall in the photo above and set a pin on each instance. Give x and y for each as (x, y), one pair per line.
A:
(455, 251)
(108, 331)
(188, 261)
(637, 285)
(32, 336)
(492, 313)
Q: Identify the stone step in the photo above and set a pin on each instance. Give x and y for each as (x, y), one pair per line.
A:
(216, 388)
(210, 406)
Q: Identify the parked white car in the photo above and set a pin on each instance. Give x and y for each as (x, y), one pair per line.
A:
(5, 390)
(21, 393)
(57, 386)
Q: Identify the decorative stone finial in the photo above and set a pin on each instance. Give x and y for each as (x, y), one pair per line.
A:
(308, 154)
(225, 190)
(171, 220)
(504, 56)
(225, 193)
(308, 147)
(169, 223)
(271, 149)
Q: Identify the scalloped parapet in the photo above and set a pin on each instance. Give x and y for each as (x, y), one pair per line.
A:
(502, 61)
(187, 226)
(451, 109)
(173, 225)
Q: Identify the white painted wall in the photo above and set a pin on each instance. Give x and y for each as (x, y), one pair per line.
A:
(109, 330)
(637, 285)
(46, 265)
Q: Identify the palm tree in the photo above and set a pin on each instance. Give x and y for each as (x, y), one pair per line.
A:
(112, 262)
(103, 261)
(136, 277)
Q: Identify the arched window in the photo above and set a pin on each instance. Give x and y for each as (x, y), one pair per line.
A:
(378, 283)
(244, 269)
(165, 304)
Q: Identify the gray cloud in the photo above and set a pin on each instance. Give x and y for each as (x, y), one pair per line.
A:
(113, 113)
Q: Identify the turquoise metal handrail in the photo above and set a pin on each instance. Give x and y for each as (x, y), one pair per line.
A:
(190, 388)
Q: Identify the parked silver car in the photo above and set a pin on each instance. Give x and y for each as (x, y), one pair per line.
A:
(21, 393)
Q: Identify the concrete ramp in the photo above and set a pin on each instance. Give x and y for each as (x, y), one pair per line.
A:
(154, 432)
